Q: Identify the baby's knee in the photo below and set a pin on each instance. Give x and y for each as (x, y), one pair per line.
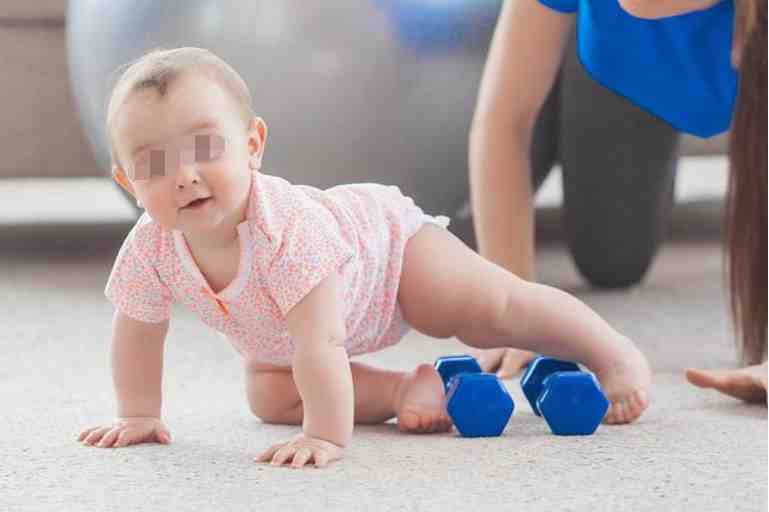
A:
(275, 412)
(272, 398)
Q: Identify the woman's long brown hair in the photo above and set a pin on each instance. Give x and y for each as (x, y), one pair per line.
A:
(746, 227)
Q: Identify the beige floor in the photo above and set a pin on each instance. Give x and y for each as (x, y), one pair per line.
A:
(693, 450)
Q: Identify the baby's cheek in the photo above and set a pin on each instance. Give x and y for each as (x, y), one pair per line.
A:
(230, 184)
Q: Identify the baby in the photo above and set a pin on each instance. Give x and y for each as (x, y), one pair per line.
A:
(299, 279)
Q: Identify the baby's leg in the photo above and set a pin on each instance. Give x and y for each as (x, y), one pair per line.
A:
(416, 398)
(447, 290)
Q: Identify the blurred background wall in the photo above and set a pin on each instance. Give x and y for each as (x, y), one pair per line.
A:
(43, 136)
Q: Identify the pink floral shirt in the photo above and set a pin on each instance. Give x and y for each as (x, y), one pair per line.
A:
(293, 237)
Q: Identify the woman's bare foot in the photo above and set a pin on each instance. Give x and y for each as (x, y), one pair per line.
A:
(420, 402)
(626, 384)
(748, 384)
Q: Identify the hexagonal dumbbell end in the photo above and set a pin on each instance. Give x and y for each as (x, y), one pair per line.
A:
(539, 369)
(479, 404)
(572, 403)
(449, 366)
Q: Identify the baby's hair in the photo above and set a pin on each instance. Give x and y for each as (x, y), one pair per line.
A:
(159, 67)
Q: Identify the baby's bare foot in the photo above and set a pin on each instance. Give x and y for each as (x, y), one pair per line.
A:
(420, 402)
(626, 382)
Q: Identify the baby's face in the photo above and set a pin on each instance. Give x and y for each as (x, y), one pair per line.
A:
(188, 145)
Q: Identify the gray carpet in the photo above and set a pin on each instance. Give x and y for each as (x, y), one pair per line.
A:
(693, 450)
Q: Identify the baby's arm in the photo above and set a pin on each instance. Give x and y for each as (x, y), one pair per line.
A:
(323, 378)
(137, 367)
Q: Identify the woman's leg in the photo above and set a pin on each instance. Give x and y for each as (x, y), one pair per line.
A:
(619, 167)
(448, 290)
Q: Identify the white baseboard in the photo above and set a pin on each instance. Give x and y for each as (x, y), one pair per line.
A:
(97, 200)
(699, 178)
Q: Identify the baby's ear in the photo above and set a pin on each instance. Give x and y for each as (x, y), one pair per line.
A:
(257, 134)
(261, 128)
(119, 175)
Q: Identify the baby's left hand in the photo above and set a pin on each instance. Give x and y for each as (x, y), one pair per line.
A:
(300, 450)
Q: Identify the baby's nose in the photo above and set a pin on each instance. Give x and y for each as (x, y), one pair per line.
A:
(185, 179)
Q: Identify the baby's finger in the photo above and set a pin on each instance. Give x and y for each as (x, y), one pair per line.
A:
(321, 458)
(95, 435)
(109, 438)
(282, 455)
(85, 433)
(266, 455)
(124, 439)
(301, 457)
(163, 436)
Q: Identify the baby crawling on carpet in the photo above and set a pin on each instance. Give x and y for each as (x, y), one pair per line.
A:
(299, 279)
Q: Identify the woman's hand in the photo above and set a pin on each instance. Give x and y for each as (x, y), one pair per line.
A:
(747, 383)
(300, 450)
(125, 432)
(505, 362)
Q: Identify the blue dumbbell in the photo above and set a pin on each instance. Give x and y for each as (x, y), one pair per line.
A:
(448, 366)
(478, 402)
(570, 400)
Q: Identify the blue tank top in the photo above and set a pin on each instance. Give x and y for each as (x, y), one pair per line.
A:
(677, 68)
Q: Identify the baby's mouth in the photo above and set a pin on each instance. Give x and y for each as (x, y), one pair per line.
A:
(197, 203)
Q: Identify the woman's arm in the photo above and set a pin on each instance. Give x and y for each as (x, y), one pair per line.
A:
(522, 64)
(651, 9)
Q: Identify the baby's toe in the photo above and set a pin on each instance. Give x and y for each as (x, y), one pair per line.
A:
(408, 421)
(627, 409)
(638, 404)
(423, 422)
(427, 423)
(616, 413)
(414, 422)
(436, 423)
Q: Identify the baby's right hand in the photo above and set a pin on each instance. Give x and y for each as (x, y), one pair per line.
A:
(125, 432)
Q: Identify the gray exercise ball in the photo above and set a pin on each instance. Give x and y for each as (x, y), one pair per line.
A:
(352, 90)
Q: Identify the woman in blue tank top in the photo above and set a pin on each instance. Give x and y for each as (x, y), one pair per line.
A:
(675, 59)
